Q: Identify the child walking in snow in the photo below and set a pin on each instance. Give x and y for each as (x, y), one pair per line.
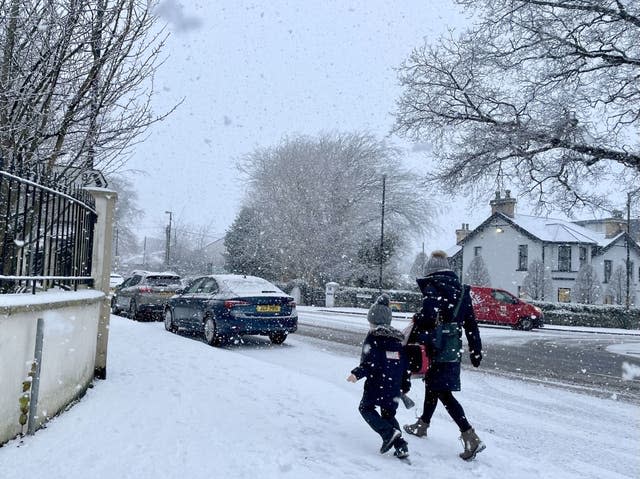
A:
(384, 365)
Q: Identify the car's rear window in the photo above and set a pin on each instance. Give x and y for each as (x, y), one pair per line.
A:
(244, 286)
(163, 280)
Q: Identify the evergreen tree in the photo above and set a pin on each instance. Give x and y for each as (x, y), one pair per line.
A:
(247, 248)
(477, 273)
(587, 285)
(417, 268)
(617, 289)
(537, 282)
(366, 272)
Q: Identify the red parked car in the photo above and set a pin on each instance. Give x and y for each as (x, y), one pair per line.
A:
(497, 306)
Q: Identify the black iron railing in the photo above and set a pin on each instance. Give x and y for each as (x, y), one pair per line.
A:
(46, 234)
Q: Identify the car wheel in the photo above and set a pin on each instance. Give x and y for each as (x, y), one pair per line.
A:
(169, 325)
(114, 306)
(133, 309)
(525, 323)
(277, 338)
(211, 335)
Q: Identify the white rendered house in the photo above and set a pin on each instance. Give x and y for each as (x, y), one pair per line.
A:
(509, 242)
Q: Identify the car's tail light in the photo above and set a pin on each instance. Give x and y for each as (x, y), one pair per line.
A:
(231, 303)
(292, 304)
(144, 289)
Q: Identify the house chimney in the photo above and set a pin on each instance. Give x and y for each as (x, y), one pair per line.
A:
(506, 205)
(462, 233)
(615, 225)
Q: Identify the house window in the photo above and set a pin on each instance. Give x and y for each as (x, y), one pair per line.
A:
(564, 295)
(477, 250)
(583, 256)
(523, 257)
(607, 270)
(564, 258)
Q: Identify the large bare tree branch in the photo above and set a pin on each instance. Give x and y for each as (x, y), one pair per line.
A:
(538, 89)
(76, 81)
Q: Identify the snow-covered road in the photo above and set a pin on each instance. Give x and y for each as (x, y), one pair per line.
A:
(174, 407)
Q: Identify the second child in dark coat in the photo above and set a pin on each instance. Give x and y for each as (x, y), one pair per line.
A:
(384, 365)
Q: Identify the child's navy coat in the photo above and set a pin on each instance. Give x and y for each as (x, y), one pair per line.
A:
(384, 364)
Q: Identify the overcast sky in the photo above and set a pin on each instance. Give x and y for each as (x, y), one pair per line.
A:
(253, 72)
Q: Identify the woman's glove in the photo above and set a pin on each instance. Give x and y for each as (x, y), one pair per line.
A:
(475, 358)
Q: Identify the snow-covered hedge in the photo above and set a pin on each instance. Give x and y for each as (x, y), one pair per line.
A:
(310, 296)
(401, 300)
(595, 315)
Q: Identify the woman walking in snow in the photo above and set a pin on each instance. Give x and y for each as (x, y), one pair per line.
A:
(384, 365)
(446, 309)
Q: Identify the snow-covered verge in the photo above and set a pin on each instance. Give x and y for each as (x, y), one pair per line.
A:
(174, 407)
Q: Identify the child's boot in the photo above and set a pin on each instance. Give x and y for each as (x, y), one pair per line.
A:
(402, 448)
(388, 443)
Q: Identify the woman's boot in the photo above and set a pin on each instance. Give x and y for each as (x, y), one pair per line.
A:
(419, 428)
(472, 445)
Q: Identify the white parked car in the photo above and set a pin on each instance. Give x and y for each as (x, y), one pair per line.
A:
(115, 280)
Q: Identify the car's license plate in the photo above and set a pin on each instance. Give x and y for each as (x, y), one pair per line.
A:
(268, 308)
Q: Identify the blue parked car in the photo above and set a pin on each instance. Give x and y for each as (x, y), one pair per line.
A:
(221, 306)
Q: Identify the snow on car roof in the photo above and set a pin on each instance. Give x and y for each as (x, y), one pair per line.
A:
(247, 284)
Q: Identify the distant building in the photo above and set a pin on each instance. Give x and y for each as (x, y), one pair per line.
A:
(508, 242)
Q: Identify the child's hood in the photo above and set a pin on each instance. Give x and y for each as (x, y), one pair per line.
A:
(387, 331)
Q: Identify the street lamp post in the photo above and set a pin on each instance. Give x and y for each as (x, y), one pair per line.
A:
(168, 241)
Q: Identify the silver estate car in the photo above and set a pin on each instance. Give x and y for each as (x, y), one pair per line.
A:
(144, 294)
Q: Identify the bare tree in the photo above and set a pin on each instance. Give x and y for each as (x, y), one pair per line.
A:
(188, 247)
(538, 283)
(319, 202)
(587, 285)
(477, 273)
(126, 219)
(75, 82)
(543, 93)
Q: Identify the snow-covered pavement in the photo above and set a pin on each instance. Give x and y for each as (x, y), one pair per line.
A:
(174, 407)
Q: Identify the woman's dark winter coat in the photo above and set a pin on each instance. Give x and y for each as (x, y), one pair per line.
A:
(441, 291)
(384, 364)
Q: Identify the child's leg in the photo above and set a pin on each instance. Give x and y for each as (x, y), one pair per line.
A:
(382, 426)
(389, 415)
